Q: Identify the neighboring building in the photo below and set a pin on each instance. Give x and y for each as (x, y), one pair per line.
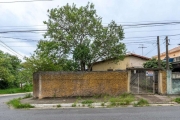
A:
(130, 61)
(174, 57)
(173, 53)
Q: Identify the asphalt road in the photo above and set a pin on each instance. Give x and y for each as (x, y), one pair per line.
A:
(141, 113)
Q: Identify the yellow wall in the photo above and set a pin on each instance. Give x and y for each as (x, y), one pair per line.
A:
(129, 61)
(69, 84)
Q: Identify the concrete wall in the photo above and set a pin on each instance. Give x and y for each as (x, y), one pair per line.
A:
(129, 61)
(69, 84)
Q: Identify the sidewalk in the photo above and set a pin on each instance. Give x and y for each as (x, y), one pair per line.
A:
(3, 95)
(53, 103)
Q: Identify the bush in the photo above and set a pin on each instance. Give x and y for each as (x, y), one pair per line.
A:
(27, 88)
(59, 106)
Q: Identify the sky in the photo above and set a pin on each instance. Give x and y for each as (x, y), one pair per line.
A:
(22, 16)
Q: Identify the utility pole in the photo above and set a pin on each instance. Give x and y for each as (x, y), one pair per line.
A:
(142, 48)
(167, 55)
(159, 61)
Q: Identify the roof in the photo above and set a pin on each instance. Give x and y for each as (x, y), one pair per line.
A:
(131, 54)
(139, 56)
(170, 51)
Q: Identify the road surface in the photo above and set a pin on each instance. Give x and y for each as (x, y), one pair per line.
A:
(133, 113)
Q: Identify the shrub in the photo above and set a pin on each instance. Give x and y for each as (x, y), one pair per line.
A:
(27, 87)
(74, 105)
(58, 105)
(177, 100)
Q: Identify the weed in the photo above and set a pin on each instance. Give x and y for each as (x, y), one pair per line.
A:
(59, 106)
(28, 95)
(102, 104)
(141, 103)
(87, 102)
(124, 99)
(74, 105)
(83, 105)
(17, 104)
(90, 106)
(54, 96)
(79, 98)
(177, 100)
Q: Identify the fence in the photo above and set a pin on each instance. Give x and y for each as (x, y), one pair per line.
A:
(69, 84)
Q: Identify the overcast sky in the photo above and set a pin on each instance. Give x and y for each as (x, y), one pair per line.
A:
(19, 16)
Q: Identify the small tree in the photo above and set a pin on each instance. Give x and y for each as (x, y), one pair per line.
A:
(153, 63)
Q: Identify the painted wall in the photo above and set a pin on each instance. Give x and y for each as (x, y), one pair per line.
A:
(69, 84)
(129, 61)
(171, 55)
(173, 83)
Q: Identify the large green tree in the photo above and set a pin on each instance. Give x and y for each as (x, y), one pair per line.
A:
(9, 68)
(77, 33)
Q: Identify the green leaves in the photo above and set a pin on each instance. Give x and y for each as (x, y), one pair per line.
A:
(153, 63)
(9, 67)
(77, 33)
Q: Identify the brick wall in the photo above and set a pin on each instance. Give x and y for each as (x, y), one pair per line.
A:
(69, 84)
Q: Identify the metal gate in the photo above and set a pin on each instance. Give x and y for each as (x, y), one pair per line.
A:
(143, 82)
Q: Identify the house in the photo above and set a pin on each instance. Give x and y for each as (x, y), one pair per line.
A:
(130, 61)
(174, 58)
(173, 53)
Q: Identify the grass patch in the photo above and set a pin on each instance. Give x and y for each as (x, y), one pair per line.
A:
(28, 95)
(87, 102)
(177, 100)
(17, 104)
(124, 99)
(15, 90)
(141, 103)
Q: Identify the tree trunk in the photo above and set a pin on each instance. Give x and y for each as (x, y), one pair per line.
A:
(82, 65)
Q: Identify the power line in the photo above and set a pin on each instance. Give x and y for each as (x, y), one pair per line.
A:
(19, 38)
(10, 48)
(26, 1)
(126, 25)
(21, 31)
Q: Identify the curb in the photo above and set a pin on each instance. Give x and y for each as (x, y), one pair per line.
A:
(93, 105)
(3, 95)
